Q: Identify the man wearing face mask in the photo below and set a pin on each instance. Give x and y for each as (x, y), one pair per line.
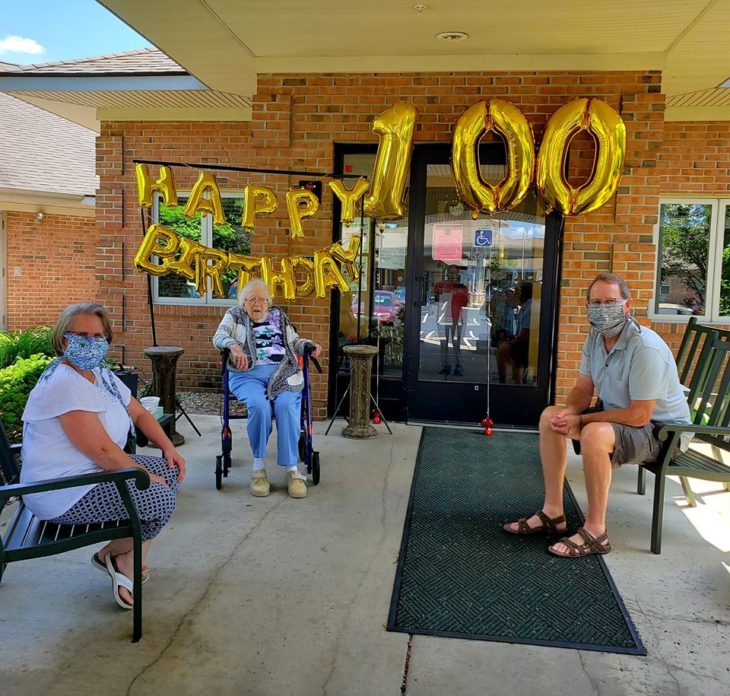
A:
(634, 374)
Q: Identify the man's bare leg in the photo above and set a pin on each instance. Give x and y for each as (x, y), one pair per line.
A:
(597, 442)
(554, 458)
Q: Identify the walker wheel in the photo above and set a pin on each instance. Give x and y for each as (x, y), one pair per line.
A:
(315, 468)
(218, 472)
(226, 464)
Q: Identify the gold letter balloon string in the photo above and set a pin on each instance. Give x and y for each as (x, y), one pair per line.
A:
(163, 252)
(386, 199)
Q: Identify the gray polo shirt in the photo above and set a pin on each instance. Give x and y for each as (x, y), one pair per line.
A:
(640, 367)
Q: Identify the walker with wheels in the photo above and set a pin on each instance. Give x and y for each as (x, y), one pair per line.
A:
(307, 453)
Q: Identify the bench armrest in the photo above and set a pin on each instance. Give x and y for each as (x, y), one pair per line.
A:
(667, 429)
(119, 476)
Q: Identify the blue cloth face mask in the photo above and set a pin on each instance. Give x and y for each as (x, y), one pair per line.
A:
(607, 318)
(85, 352)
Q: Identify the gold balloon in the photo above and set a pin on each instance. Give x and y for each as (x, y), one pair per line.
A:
(394, 129)
(257, 200)
(146, 186)
(151, 246)
(305, 288)
(609, 132)
(185, 263)
(327, 275)
(214, 270)
(284, 278)
(506, 119)
(300, 204)
(206, 182)
(246, 266)
(349, 197)
(347, 256)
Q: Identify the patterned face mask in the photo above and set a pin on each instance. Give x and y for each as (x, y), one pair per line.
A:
(608, 319)
(85, 352)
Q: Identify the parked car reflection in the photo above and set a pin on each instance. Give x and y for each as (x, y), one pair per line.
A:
(386, 306)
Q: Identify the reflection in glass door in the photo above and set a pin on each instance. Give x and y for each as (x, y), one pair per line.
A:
(477, 332)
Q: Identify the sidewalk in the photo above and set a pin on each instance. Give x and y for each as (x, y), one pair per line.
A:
(276, 596)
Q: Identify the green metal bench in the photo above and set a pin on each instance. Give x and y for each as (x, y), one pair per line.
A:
(692, 366)
(27, 536)
(709, 456)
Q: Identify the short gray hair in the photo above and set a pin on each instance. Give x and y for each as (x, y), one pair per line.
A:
(68, 315)
(614, 280)
(255, 284)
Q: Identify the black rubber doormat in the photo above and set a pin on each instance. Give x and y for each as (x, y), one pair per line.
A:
(460, 575)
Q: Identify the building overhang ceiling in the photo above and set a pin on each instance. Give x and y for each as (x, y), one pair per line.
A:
(226, 43)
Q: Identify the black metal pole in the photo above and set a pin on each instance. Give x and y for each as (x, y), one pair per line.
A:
(149, 288)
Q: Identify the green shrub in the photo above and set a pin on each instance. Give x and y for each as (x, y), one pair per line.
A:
(16, 383)
(23, 344)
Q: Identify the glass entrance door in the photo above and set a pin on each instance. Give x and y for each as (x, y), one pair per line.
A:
(482, 298)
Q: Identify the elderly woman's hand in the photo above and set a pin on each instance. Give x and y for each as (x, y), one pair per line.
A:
(317, 350)
(240, 359)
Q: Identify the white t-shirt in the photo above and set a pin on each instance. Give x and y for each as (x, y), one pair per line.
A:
(47, 452)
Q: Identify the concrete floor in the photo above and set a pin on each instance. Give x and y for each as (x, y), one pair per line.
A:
(277, 596)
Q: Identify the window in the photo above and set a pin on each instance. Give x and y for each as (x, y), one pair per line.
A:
(693, 262)
(174, 289)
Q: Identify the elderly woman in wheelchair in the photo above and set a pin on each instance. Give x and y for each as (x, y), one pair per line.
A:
(265, 375)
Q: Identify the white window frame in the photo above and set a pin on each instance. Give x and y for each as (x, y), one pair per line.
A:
(206, 239)
(714, 265)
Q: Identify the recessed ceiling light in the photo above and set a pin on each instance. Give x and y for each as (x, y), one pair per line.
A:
(452, 36)
(420, 7)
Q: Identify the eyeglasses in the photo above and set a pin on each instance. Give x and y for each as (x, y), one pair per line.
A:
(256, 300)
(610, 302)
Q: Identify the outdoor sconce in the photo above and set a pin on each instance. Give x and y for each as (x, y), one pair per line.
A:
(39, 216)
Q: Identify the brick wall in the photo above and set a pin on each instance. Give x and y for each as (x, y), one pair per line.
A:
(49, 265)
(296, 121)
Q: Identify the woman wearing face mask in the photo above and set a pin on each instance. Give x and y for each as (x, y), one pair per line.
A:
(76, 421)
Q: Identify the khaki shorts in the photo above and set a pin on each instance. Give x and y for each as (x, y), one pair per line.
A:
(634, 445)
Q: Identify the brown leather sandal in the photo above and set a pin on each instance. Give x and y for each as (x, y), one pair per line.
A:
(549, 526)
(589, 546)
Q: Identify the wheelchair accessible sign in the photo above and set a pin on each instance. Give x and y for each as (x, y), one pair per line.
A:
(483, 238)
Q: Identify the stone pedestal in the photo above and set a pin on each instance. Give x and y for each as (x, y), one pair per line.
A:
(361, 362)
(164, 364)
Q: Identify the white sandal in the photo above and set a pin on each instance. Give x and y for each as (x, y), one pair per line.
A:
(118, 580)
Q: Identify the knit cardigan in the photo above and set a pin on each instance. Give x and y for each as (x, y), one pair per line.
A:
(236, 329)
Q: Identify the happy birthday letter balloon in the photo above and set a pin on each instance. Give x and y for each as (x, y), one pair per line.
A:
(349, 197)
(146, 185)
(257, 200)
(300, 204)
(197, 202)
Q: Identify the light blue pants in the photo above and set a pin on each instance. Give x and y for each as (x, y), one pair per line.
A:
(250, 388)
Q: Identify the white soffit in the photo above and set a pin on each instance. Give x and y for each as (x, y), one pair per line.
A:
(215, 39)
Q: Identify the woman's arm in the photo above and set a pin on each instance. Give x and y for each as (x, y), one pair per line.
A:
(86, 432)
(223, 337)
(147, 423)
